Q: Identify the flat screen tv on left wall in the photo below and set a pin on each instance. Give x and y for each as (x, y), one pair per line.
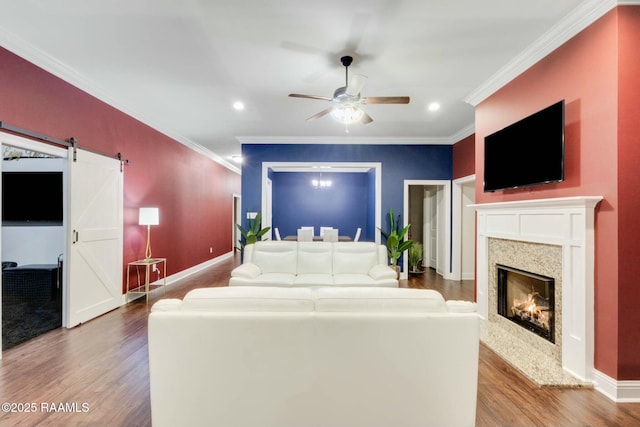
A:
(32, 199)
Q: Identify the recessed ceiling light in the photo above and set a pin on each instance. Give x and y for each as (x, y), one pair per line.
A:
(237, 158)
(434, 106)
(238, 105)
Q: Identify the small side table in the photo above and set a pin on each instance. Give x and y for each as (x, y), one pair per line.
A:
(147, 287)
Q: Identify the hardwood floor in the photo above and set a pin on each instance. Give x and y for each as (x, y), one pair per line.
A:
(97, 373)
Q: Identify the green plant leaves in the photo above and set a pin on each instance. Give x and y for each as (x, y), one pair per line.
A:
(255, 232)
(394, 237)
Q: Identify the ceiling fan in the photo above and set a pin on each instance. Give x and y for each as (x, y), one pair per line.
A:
(347, 101)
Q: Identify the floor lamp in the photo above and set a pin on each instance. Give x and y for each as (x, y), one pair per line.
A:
(149, 217)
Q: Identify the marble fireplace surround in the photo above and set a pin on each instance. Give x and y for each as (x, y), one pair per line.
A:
(542, 227)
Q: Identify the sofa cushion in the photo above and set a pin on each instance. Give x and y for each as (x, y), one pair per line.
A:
(275, 256)
(317, 279)
(356, 279)
(249, 299)
(315, 257)
(267, 279)
(373, 299)
(354, 257)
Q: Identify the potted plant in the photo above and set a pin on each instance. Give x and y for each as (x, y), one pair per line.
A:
(253, 233)
(415, 256)
(395, 244)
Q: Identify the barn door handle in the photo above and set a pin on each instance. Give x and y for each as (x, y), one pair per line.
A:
(75, 237)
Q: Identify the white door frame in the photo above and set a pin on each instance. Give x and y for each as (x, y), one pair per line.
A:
(446, 256)
(456, 225)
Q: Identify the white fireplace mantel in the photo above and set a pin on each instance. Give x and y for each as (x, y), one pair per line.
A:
(567, 222)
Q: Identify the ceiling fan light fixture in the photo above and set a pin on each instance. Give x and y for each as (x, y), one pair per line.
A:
(347, 113)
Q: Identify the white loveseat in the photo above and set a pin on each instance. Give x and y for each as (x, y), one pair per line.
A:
(313, 357)
(284, 263)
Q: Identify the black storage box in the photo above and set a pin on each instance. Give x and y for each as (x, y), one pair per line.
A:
(34, 284)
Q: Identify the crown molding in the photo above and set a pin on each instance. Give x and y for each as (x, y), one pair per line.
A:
(357, 140)
(342, 140)
(579, 19)
(50, 64)
(463, 133)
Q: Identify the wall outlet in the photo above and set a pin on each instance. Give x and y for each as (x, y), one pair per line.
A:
(210, 250)
(252, 215)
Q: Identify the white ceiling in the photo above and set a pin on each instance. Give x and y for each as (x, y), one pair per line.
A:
(179, 65)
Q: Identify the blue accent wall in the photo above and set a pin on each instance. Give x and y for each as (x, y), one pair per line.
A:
(344, 205)
(399, 162)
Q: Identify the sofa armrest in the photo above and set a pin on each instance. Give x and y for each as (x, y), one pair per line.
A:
(167, 304)
(247, 271)
(380, 271)
(456, 306)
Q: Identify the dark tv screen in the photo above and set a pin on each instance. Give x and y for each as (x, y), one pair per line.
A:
(32, 198)
(528, 152)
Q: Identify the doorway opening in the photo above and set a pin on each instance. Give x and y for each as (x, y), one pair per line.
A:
(32, 242)
(277, 200)
(445, 225)
(427, 207)
(88, 267)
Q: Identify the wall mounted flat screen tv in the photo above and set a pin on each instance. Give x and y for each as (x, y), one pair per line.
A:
(528, 152)
(31, 198)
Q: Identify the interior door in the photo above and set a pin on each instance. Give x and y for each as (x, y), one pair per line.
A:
(96, 241)
(432, 215)
(237, 219)
(426, 230)
(440, 231)
(267, 217)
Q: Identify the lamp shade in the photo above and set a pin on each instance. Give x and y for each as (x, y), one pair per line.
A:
(149, 216)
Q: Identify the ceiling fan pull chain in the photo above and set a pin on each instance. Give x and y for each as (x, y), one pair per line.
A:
(346, 77)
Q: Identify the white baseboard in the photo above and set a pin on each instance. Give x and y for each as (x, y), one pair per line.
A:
(196, 268)
(618, 391)
(184, 273)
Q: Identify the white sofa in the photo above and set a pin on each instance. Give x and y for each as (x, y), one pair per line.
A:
(313, 357)
(285, 263)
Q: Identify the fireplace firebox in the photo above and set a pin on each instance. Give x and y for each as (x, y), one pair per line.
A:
(527, 299)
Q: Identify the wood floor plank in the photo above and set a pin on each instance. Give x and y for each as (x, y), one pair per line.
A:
(104, 364)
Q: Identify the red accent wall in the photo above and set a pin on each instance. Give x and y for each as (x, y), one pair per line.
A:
(628, 193)
(464, 157)
(597, 73)
(193, 192)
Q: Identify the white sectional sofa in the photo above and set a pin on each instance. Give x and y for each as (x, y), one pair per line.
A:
(313, 357)
(285, 263)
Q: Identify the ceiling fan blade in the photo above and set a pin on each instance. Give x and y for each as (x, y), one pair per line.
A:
(366, 119)
(356, 84)
(320, 114)
(297, 95)
(386, 100)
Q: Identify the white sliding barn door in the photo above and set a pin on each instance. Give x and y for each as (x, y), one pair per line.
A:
(96, 236)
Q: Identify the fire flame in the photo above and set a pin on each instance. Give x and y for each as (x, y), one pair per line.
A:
(534, 309)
